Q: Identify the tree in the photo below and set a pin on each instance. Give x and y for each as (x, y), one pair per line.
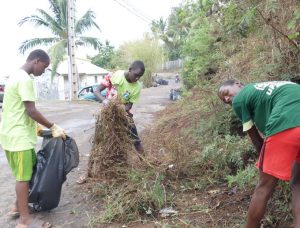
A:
(56, 22)
(174, 30)
(105, 56)
(148, 50)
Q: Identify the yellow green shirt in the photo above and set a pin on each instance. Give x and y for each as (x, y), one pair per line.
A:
(129, 92)
(17, 129)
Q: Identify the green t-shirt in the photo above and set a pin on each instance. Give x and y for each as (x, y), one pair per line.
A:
(272, 106)
(129, 92)
(17, 129)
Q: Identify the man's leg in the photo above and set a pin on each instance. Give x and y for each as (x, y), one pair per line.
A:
(139, 148)
(295, 185)
(22, 188)
(258, 204)
(134, 135)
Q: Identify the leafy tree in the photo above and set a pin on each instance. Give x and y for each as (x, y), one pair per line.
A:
(105, 56)
(56, 22)
(148, 50)
(201, 54)
(174, 30)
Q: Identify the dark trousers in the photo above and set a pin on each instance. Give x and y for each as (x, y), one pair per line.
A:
(133, 132)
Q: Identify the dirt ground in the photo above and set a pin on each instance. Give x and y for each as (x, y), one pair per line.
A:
(77, 118)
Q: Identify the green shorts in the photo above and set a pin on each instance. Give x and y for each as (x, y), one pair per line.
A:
(21, 163)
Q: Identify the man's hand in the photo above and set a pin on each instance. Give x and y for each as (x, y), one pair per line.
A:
(39, 129)
(105, 102)
(256, 139)
(57, 131)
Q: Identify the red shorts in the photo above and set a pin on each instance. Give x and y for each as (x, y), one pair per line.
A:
(279, 152)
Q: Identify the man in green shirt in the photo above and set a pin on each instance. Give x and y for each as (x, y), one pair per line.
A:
(18, 130)
(273, 109)
(125, 84)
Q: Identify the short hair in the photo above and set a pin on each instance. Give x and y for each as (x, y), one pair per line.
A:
(229, 82)
(137, 64)
(38, 54)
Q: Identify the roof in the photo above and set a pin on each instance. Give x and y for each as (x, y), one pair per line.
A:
(84, 66)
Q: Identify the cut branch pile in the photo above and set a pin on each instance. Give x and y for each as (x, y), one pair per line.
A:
(111, 143)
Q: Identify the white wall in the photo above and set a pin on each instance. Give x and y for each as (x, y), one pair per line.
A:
(85, 80)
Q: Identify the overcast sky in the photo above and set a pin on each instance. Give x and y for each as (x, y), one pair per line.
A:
(117, 23)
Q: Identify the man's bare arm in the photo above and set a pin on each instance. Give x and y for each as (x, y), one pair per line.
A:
(36, 115)
(256, 138)
(98, 94)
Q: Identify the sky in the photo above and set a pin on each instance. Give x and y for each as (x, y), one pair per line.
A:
(117, 24)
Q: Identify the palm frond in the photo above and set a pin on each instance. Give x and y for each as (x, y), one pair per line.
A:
(55, 8)
(28, 44)
(54, 26)
(86, 22)
(34, 19)
(57, 53)
(64, 11)
(91, 41)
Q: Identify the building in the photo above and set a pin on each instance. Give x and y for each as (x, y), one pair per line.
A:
(88, 74)
(55, 88)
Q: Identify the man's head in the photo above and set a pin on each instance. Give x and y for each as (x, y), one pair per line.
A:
(37, 61)
(136, 71)
(229, 89)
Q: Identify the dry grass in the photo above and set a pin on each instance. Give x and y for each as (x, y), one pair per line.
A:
(111, 142)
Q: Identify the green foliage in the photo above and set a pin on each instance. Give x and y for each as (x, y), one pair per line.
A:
(141, 193)
(294, 24)
(239, 19)
(174, 30)
(105, 57)
(244, 178)
(226, 154)
(148, 50)
(201, 54)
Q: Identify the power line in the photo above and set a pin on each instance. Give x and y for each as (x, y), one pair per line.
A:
(137, 10)
(132, 11)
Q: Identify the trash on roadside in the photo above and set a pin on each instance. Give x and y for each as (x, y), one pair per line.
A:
(162, 81)
(168, 211)
(175, 94)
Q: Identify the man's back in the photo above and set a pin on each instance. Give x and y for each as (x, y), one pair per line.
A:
(272, 106)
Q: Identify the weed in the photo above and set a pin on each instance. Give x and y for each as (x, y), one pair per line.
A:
(244, 178)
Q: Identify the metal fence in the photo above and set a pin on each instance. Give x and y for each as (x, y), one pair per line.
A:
(172, 65)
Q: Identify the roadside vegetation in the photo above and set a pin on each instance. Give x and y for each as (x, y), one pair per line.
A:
(198, 161)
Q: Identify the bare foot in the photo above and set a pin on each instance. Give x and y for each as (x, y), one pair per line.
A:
(32, 222)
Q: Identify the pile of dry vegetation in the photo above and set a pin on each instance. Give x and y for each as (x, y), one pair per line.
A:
(111, 142)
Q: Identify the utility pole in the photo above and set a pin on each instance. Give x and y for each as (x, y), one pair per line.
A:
(72, 76)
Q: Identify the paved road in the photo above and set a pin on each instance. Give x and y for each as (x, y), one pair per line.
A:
(77, 118)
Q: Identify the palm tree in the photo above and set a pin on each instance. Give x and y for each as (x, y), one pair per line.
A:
(57, 24)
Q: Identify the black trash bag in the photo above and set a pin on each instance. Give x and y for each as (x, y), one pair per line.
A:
(54, 161)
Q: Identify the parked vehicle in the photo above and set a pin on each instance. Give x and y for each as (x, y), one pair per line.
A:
(162, 82)
(2, 88)
(175, 94)
(87, 93)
